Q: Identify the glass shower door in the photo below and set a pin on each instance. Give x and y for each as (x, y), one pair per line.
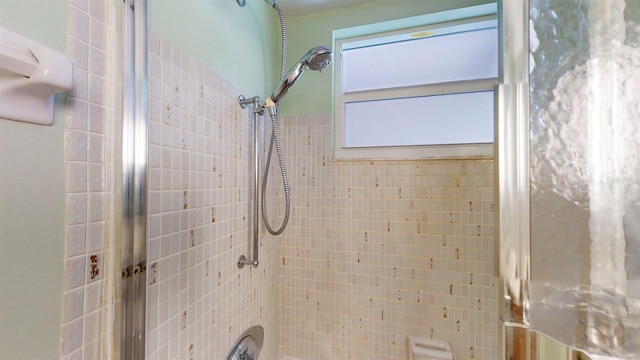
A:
(568, 145)
(585, 174)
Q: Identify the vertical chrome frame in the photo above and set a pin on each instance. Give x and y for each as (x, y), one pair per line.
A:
(516, 340)
(134, 179)
(512, 180)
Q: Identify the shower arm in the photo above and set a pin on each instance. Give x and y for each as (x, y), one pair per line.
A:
(257, 111)
(258, 107)
(255, 101)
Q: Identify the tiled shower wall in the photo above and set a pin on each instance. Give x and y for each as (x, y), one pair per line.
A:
(200, 206)
(88, 139)
(380, 250)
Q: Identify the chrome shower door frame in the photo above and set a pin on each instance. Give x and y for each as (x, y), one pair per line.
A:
(512, 180)
(135, 102)
(517, 339)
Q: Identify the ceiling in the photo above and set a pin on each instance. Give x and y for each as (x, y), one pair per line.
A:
(303, 7)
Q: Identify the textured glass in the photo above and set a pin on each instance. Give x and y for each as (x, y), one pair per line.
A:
(431, 120)
(430, 60)
(585, 174)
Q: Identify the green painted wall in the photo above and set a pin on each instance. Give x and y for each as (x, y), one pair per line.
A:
(241, 44)
(312, 93)
(32, 208)
(42, 21)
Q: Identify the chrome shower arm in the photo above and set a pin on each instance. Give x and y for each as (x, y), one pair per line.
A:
(255, 101)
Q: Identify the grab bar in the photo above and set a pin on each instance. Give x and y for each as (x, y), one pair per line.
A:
(257, 111)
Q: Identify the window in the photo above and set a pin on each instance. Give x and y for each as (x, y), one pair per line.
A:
(417, 92)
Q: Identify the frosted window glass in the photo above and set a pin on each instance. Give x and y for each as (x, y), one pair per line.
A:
(431, 60)
(432, 120)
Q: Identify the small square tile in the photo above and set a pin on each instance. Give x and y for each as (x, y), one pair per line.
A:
(73, 304)
(76, 148)
(74, 272)
(96, 208)
(76, 209)
(75, 240)
(95, 237)
(76, 177)
(95, 148)
(79, 21)
(71, 337)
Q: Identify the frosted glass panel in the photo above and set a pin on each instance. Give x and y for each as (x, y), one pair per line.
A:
(430, 60)
(433, 120)
(585, 174)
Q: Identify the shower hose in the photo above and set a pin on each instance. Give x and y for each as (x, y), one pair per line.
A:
(275, 139)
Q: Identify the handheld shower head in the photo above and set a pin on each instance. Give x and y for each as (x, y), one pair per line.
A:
(315, 59)
(318, 58)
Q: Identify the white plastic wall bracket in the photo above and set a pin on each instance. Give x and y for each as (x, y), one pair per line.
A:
(30, 75)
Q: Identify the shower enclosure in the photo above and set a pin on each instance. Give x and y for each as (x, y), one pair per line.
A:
(567, 170)
(569, 194)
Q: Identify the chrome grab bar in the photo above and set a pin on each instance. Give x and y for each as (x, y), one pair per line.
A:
(257, 111)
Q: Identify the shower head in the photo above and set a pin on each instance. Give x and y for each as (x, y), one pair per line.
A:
(318, 58)
(315, 59)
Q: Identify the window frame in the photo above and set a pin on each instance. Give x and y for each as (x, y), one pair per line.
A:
(393, 28)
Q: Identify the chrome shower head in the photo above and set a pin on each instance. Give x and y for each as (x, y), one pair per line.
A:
(318, 58)
(315, 59)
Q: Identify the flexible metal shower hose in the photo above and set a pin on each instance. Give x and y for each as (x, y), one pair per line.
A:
(275, 139)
